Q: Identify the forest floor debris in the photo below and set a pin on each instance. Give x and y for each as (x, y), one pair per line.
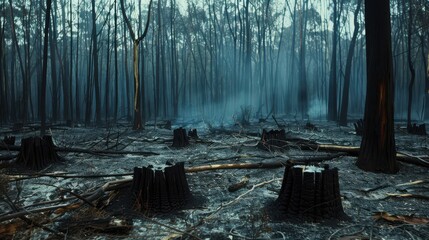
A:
(398, 197)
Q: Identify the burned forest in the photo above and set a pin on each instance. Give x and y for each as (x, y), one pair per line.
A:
(214, 119)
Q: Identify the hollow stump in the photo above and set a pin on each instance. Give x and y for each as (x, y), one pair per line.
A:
(37, 152)
(158, 191)
(310, 193)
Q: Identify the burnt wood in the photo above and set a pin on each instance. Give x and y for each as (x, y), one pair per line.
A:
(310, 194)
(417, 129)
(193, 134)
(37, 152)
(158, 191)
(273, 139)
(180, 138)
(9, 140)
(359, 127)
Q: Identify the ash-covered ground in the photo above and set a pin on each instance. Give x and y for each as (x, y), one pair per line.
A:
(216, 213)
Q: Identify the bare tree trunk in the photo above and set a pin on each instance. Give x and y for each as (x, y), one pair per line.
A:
(302, 85)
(410, 62)
(53, 58)
(77, 92)
(95, 61)
(127, 76)
(24, 102)
(137, 111)
(64, 65)
(292, 71)
(426, 93)
(345, 100)
(115, 114)
(45, 67)
(107, 90)
(248, 60)
(378, 150)
(332, 100)
(70, 87)
(4, 101)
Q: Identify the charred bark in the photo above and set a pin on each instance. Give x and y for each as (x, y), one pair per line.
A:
(310, 193)
(347, 75)
(378, 151)
(180, 139)
(158, 191)
(36, 152)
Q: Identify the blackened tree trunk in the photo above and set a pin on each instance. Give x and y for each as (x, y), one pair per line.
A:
(115, 114)
(345, 99)
(302, 85)
(77, 92)
(377, 150)
(45, 68)
(410, 63)
(24, 102)
(248, 60)
(53, 58)
(65, 66)
(136, 41)
(427, 82)
(107, 90)
(70, 87)
(4, 110)
(95, 62)
(332, 99)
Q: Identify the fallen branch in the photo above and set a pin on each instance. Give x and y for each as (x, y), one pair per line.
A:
(24, 176)
(82, 150)
(354, 151)
(100, 192)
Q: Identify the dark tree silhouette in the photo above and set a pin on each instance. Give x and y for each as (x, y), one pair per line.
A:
(377, 150)
(332, 100)
(136, 41)
(45, 68)
(347, 74)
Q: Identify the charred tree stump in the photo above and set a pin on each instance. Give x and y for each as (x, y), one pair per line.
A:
(193, 134)
(311, 127)
(9, 140)
(158, 191)
(417, 129)
(359, 127)
(273, 139)
(36, 152)
(310, 193)
(180, 139)
(17, 126)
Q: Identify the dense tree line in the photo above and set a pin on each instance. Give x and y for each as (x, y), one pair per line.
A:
(202, 58)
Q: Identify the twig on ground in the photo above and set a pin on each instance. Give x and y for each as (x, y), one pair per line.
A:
(167, 226)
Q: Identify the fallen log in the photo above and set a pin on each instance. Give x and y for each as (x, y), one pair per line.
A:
(354, 151)
(276, 164)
